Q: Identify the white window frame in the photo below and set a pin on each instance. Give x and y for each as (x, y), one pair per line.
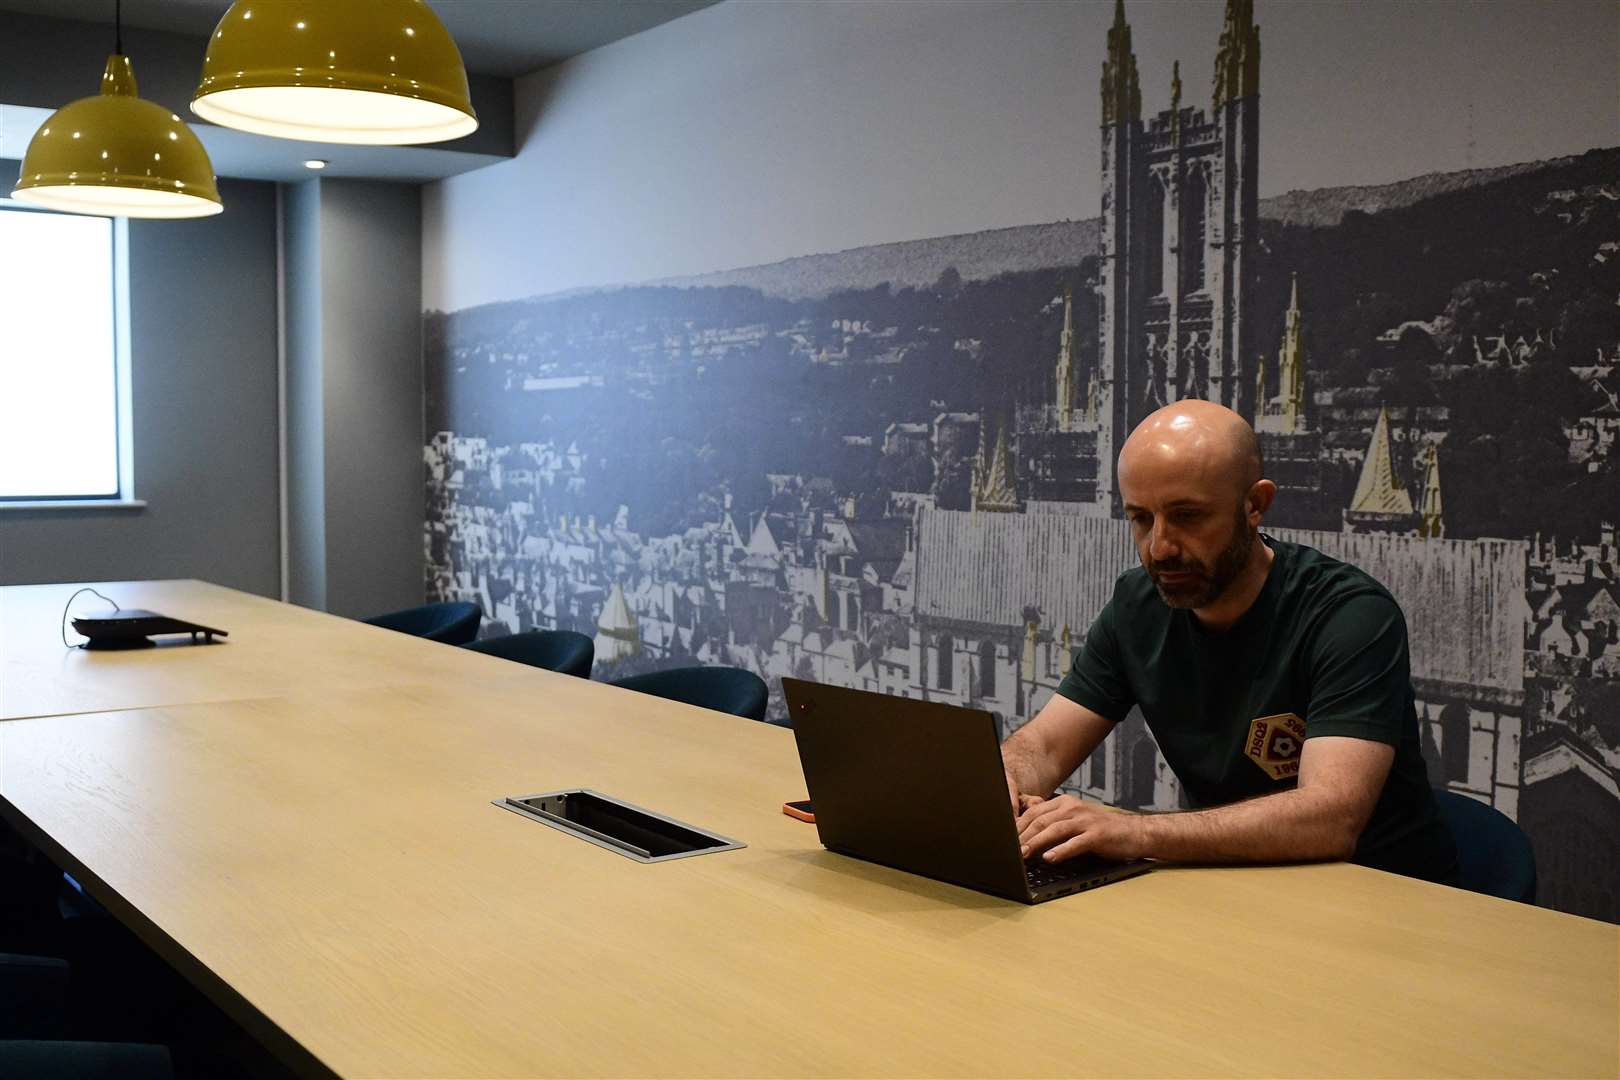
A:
(124, 498)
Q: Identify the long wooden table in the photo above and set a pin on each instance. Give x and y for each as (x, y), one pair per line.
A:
(272, 648)
(326, 862)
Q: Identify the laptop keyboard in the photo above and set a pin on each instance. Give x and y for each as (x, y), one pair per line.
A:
(1040, 872)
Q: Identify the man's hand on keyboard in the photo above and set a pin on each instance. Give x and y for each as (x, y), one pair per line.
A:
(1065, 826)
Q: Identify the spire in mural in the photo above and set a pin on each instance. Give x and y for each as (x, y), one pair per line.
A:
(762, 541)
(1121, 94)
(1378, 491)
(1026, 658)
(1432, 525)
(1175, 98)
(728, 527)
(1237, 60)
(1380, 504)
(1284, 414)
(618, 635)
(993, 487)
(981, 463)
(1093, 394)
(1065, 365)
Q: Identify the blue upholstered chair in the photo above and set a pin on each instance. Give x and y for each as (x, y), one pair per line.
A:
(454, 622)
(1493, 854)
(50, 1060)
(724, 689)
(33, 997)
(553, 650)
(34, 1025)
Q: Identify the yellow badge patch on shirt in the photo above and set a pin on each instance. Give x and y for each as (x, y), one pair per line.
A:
(1274, 744)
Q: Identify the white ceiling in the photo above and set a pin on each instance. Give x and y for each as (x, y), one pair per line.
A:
(496, 37)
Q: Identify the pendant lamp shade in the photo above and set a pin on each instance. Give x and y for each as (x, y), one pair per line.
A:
(342, 71)
(117, 155)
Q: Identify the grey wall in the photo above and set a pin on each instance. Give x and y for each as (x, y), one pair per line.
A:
(203, 337)
(371, 279)
(354, 419)
(306, 462)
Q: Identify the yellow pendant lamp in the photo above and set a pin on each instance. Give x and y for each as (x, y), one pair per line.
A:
(341, 71)
(117, 155)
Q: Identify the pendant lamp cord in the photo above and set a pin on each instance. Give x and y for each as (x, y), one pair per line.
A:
(118, 27)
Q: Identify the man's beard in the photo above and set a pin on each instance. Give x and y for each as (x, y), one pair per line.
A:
(1206, 583)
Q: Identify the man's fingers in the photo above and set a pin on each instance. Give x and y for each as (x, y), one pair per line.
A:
(1037, 818)
(1052, 835)
(1075, 845)
(1043, 812)
(1029, 809)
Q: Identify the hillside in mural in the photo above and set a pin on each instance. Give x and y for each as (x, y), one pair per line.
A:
(918, 263)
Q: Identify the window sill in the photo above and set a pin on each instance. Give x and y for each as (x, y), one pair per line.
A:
(75, 504)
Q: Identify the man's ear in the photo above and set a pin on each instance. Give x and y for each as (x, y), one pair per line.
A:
(1258, 500)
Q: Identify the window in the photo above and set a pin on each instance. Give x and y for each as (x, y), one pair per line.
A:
(987, 669)
(64, 428)
(1455, 726)
(1155, 239)
(1099, 768)
(1144, 772)
(1195, 234)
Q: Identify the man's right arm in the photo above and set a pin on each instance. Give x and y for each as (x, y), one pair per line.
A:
(1042, 753)
(1039, 755)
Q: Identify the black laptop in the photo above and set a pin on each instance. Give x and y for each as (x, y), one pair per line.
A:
(919, 786)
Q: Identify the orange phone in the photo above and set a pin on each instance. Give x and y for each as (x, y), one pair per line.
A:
(801, 810)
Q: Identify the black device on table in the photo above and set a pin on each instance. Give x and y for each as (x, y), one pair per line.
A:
(919, 786)
(133, 628)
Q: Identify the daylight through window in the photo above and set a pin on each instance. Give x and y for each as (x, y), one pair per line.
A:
(59, 436)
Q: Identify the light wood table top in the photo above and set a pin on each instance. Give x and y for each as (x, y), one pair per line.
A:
(330, 866)
(273, 648)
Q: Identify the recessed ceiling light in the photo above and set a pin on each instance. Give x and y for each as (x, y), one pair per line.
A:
(314, 163)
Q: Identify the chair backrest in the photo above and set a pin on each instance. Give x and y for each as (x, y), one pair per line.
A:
(1493, 854)
(47, 1060)
(724, 689)
(553, 650)
(454, 622)
(33, 996)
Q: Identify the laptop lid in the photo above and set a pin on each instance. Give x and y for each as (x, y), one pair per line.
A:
(916, 785)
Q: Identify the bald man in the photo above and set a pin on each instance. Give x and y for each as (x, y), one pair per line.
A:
(1274, 678)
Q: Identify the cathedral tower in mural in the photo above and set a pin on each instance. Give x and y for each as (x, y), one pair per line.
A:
(1180, 214)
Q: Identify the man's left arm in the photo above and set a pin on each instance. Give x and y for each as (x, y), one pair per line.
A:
(1360, 676)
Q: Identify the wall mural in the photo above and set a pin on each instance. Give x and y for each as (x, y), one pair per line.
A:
(892, 467)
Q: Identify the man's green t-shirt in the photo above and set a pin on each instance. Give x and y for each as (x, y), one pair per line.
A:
(1322, 651)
